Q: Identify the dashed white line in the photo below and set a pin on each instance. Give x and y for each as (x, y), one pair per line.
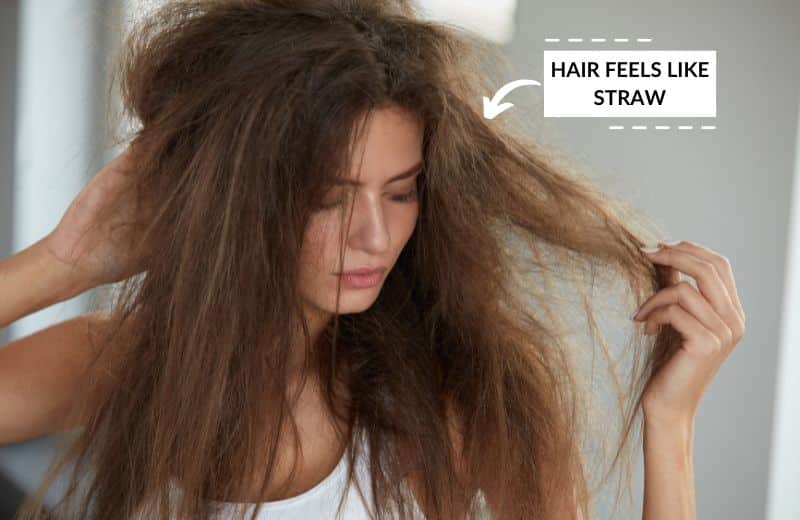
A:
(598, 40)
(660, 127)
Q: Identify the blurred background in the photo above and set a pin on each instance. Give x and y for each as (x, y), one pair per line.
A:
(733, 189)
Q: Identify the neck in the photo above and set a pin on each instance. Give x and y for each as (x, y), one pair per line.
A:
(316, 321)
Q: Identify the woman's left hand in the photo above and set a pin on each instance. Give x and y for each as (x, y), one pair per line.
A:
(710, 320)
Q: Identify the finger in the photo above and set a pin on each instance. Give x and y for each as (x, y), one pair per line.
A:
(673, 276)
(721, 263)
(697, 338)
(689, 299)
(709, 282)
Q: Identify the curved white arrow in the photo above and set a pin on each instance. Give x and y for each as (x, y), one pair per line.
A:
(492, 107)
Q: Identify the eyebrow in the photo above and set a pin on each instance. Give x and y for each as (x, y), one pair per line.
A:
(402, 175)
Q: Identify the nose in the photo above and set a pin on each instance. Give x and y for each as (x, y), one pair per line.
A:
(369, 229)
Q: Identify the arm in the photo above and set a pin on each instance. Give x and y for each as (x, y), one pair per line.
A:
(92, 245)
(668, 474)
(32, 280)
(40, 373)
(710, 321)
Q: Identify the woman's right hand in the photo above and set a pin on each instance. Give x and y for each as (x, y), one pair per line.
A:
(95, 236)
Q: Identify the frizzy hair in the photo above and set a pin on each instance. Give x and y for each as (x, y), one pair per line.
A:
(247, 110)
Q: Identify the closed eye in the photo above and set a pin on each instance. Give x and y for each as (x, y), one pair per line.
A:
(410, 196)
(407, 197)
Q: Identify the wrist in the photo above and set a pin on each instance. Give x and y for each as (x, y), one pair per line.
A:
(31, 280)
(679, 430)
(57, 281)
(659, 415)
(668, 468)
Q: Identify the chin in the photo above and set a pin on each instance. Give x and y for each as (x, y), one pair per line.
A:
(352, 301)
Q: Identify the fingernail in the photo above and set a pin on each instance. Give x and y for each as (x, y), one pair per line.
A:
(650, 249)
(636, 312)
(671, 242)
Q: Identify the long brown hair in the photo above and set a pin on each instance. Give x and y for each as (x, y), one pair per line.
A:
(247, 110)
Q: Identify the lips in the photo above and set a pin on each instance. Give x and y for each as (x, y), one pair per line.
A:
(362, 278)
(364, 271)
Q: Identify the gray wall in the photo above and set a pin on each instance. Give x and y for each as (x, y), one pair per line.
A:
(728, 189)
(8, 62)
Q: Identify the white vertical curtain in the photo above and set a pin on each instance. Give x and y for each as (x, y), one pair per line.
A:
(57, 134)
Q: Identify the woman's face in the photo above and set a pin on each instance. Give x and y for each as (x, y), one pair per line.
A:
(384, 214)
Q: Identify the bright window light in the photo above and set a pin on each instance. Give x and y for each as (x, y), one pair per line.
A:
(493, 20)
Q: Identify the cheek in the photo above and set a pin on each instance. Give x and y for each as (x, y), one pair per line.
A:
(405, 224)
(320, 238)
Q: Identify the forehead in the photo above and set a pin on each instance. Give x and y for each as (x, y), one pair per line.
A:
(390, 145)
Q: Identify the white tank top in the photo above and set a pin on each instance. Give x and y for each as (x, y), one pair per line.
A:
(319, 502)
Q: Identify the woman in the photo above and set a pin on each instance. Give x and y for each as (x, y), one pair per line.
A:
(281, 144)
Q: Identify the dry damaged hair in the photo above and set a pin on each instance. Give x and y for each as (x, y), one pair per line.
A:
(247, 110)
